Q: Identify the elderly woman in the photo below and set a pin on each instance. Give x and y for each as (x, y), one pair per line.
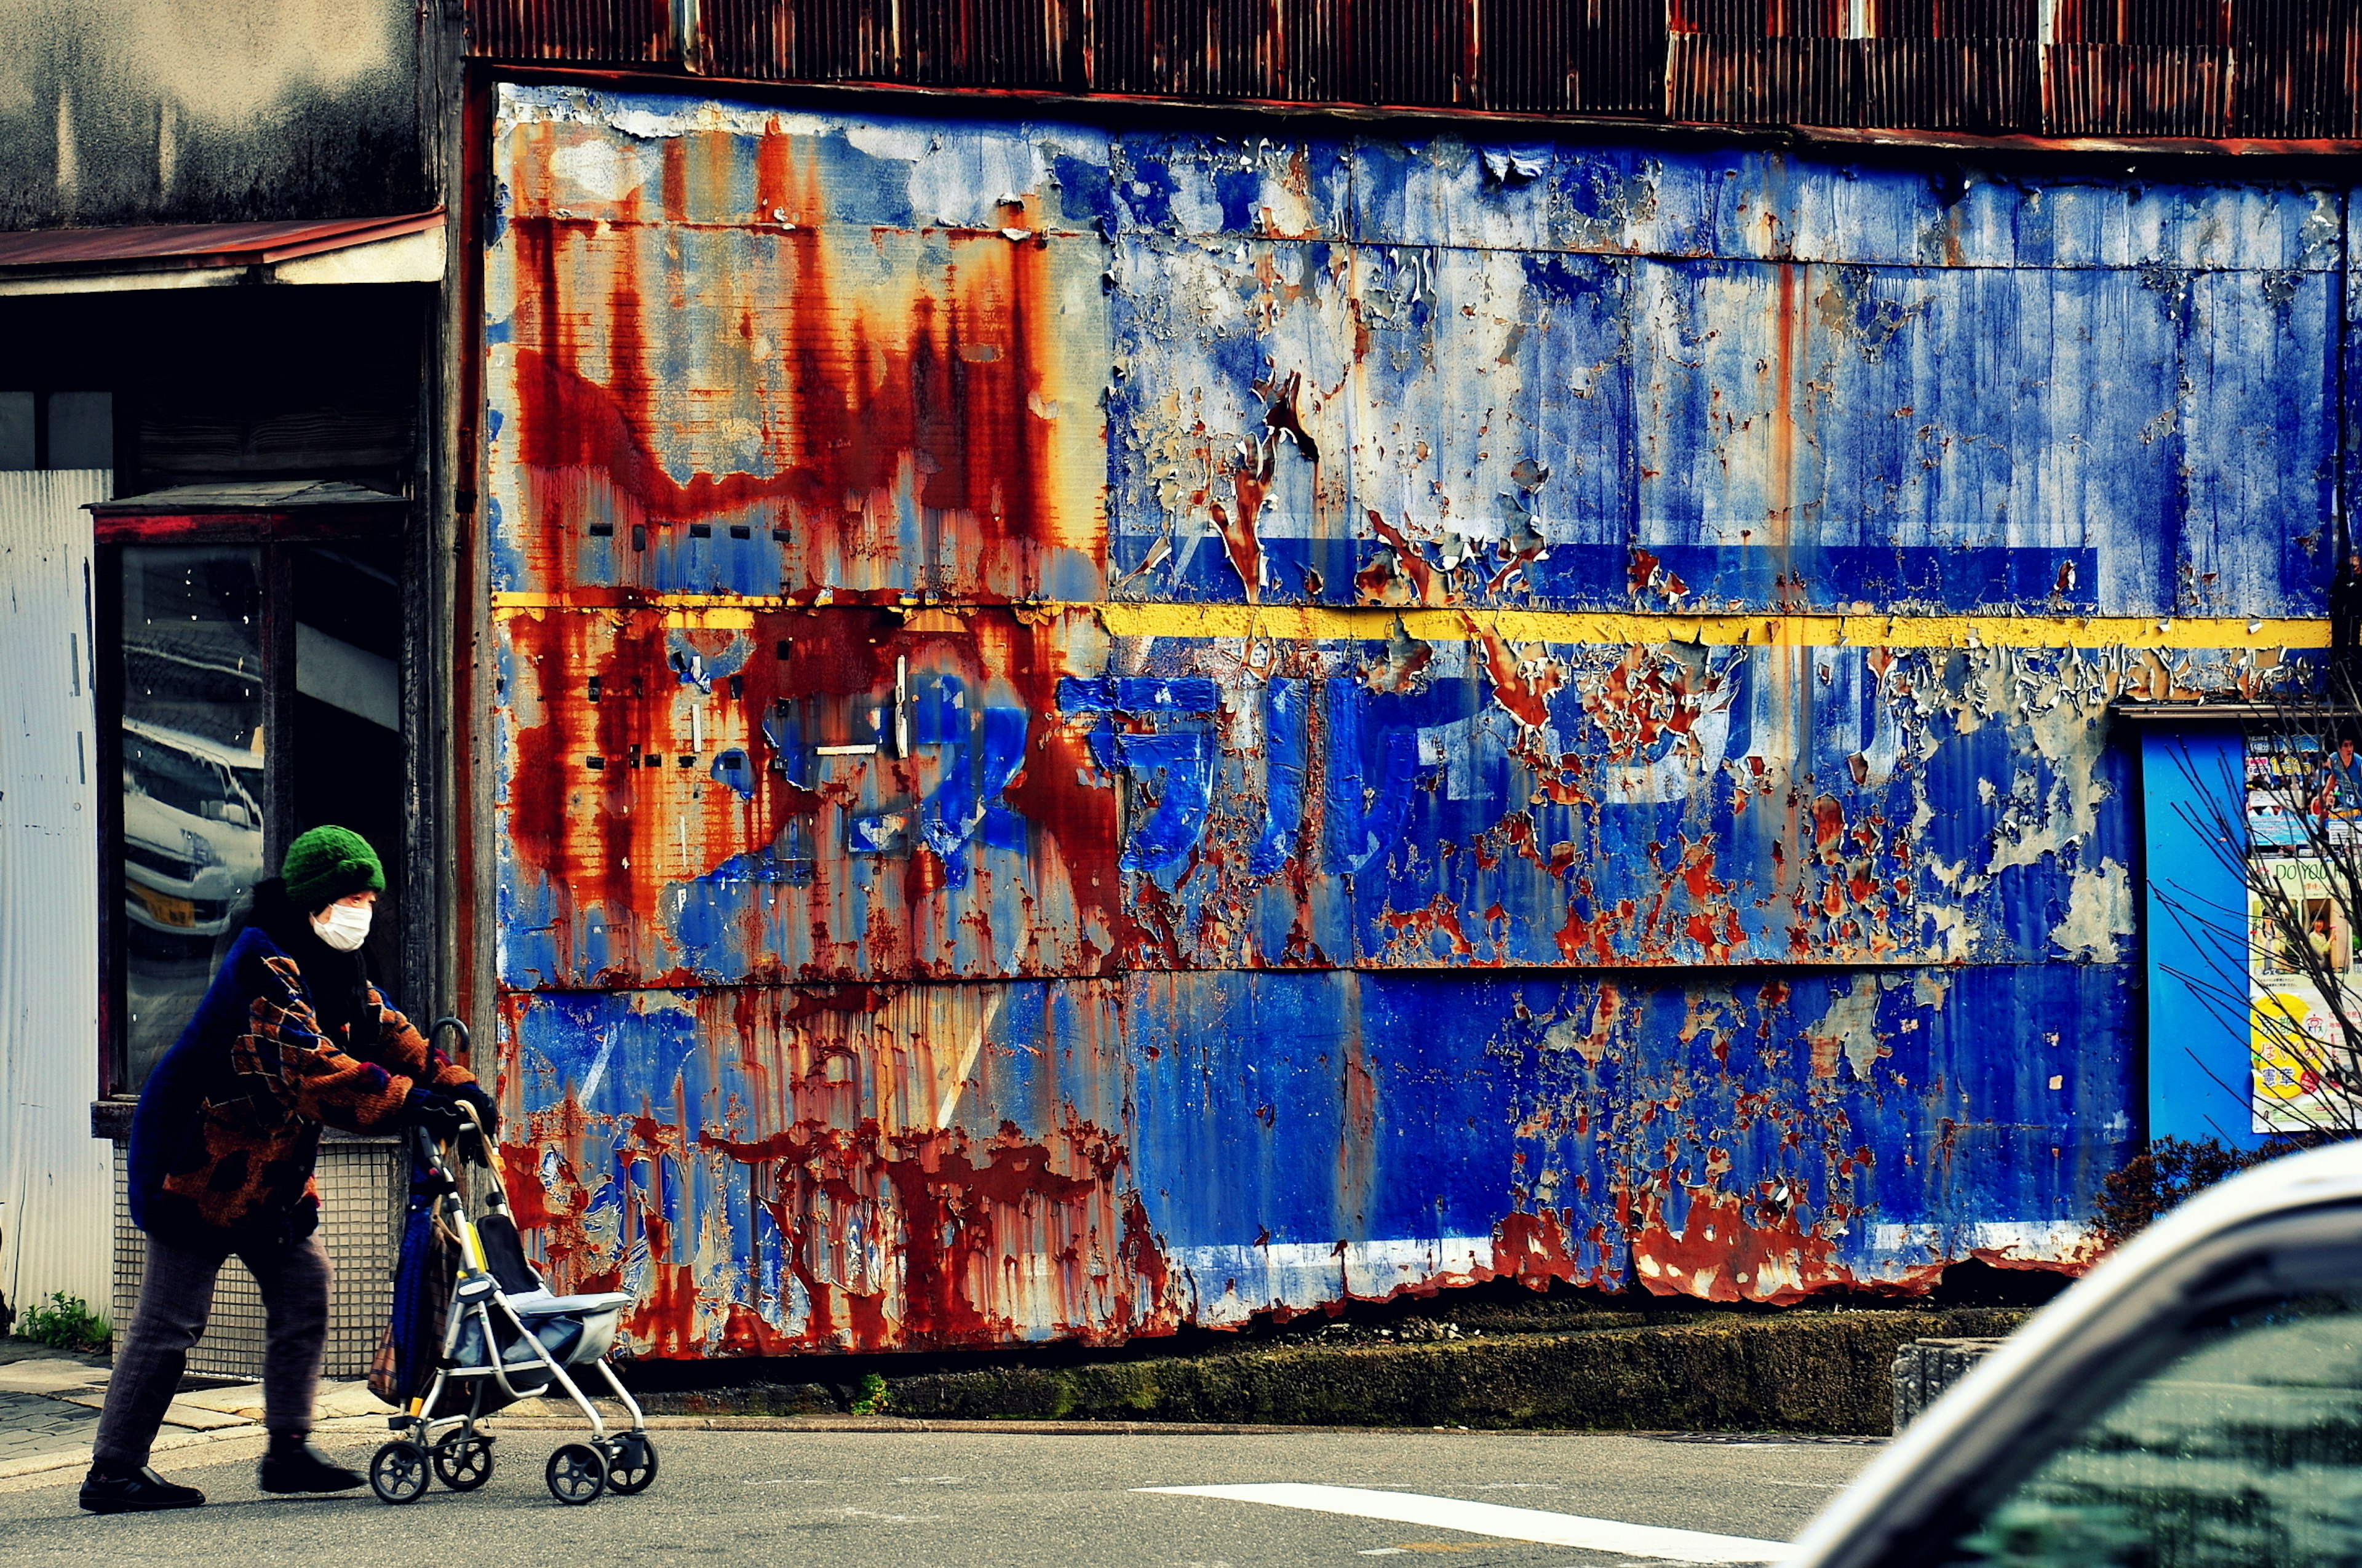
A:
(291, 1037)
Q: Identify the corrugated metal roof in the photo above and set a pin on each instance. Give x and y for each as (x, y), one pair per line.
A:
(2274, 69)
(160, 247)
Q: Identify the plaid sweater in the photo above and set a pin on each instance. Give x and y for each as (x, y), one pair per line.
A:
(223, 1143)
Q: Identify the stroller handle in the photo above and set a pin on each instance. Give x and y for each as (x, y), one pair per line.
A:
(426, 1155)
(467, 1049)
(429, 1147)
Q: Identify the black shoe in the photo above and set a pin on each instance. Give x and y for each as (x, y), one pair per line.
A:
(295, 1465)
(141, 1492)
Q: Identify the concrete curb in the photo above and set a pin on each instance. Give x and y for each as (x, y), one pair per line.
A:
(1813, 1370)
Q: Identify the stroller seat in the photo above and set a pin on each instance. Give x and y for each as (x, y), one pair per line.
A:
(542, 1304)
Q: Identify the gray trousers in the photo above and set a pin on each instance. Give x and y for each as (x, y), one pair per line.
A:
(175, 1298)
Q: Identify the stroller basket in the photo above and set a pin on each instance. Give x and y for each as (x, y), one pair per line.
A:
(504, 1337)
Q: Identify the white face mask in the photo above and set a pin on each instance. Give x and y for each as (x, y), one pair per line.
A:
(343, 926)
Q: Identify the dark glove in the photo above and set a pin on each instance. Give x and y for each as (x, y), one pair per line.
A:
(487, 1113)
(433, 1112)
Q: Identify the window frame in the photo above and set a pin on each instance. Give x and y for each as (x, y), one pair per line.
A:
(278, 533)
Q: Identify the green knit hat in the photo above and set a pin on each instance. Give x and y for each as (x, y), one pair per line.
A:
(328, 863)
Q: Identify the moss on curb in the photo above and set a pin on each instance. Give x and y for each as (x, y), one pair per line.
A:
(1803, 1371)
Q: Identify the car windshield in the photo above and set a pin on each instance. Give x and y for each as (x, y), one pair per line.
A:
(2247, 1451)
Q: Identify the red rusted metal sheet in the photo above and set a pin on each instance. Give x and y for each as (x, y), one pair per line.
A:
(694, 796)
(920, 421)
(861, 1168)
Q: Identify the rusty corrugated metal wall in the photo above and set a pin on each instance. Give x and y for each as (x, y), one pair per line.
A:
(1103, 730)
(2207, 69)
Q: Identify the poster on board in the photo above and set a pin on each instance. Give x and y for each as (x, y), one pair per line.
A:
(2303, 802)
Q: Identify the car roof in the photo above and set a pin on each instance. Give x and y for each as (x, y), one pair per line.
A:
(194, 745)
(2332, 1175)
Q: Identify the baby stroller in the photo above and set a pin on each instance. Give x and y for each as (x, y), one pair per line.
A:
(503, 1337)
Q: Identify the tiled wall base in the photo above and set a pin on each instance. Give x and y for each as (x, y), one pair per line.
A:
(361, 1182)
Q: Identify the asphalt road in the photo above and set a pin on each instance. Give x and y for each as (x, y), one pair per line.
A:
(886, 1500)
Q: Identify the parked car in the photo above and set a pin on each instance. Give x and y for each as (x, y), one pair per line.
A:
(2196, 1402)
(192, 831)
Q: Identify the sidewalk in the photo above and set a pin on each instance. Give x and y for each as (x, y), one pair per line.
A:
(49, 1402)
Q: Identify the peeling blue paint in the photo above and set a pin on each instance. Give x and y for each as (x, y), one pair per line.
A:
(981, 929)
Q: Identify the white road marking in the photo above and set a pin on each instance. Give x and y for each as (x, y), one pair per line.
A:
(1496, 1519)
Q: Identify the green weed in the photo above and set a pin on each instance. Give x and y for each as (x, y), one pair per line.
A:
(64, 1322)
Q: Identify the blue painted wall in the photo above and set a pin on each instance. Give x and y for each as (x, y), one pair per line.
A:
(1104, 730)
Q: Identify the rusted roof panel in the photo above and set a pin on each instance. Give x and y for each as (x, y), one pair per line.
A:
(2289, 70)
(628, 32)
(158, 247)
(1540, 709)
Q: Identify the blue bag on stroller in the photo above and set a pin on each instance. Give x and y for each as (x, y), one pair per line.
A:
(413, 1334)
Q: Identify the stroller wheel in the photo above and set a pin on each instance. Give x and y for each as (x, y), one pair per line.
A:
(631, 1463)
(464, 1463)
(576, 1475)
(397, 1473)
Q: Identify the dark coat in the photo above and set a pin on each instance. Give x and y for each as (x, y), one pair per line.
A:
(227, 1128)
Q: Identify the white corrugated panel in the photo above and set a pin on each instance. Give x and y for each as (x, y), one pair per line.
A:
(55, 1179)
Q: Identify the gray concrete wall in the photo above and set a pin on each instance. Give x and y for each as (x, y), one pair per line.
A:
(191, 111)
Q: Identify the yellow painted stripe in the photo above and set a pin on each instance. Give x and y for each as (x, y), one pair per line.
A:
(1790, 630)
(1364, 622)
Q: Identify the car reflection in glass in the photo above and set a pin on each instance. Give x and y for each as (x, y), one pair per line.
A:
(191, 832)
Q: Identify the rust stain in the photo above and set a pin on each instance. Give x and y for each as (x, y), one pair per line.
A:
(622, 801)
(1522, 688)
